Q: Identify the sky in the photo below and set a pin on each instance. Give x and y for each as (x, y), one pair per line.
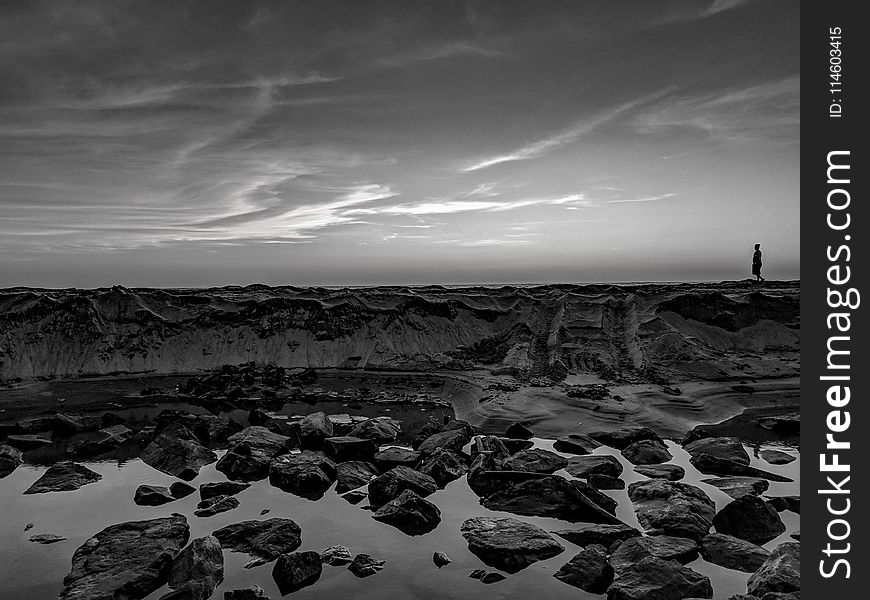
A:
(198, 143)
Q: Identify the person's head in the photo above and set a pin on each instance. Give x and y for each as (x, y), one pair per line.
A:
(757, 246)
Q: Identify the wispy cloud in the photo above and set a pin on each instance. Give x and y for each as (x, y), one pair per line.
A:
(562, 138)
(460, 206)
(643, 199)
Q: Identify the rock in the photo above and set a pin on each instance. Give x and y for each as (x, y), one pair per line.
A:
(152, 495)
(38, 424)
(440, 559)
(26, 441)
(72, 424)
(737, 487)
(336, 556)
(10, 458)
(409, 513)
(389, 485)
(296, 570)
(355, 496)
(749, 518)
(605, 482)
(63, 477)
(431, 427)
(199, 568)
(380, 430)
(776, 457)
(454, 439)
(588, 570)
(781, 572)
(677, 509)
(576, 443)
(623, 438)
(105, 440)
(519, 431)
(796, 535)
(396, 457)
(606, 535)
(307, 474)
(733, 553)
(354, 474)
(46, 538)
(781, 503)
(508, 544)
(669, 472)
(647, 452)
(555, 497)
(262, 540)
(666, 547)
(492, 577)
(221, 488)
(250, 452)
(313, 429)
(213, 506)
(364, 565)
(726, 448)
(444, 465)
(535, 460)
(180, 457)
(477, 573)
(345, 448)
(255, 592)
(783, 424)
(28, 527)
(602, 464)
(513, 445)
(128, 560)
(720, 466)
(656, 579)
(179, 489)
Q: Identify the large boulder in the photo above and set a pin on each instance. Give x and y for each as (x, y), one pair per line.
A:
(606, 535)
(647, 452)
(409, 513)
(63, 477)
(444, 465)
(588, 570)
(354, 474)
(555, 497)
(395, 456)
(296, 570)
(576, 443)
(601, 464)
(777, 457)
(519, 431)
(10, 458)
(198, 569)
(535, 460)
(452, 439)
(179, 454)
(665, 547)
(712, 465)
(623, 438)
(780, 573)
(380, 430)
(656, 579)
(128, 560)
(152, 495)
(264, 541)
(669, 472)
(344, 448)
(307, 474)
(733, 553)
(749, 518)
(221, 488)
(216, 505)
(508, 544)
(389, 485)
(313, 429)
(364, 565)
(737, 487)
(100, 442)
(674, 508)
(727, 448)
(250, 452)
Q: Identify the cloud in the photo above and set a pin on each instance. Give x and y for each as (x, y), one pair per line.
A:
(460, 206)
(567, 136)
(644, 199)
(719, 6)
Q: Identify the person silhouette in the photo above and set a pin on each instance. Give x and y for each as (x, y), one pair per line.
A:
(756, 263)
